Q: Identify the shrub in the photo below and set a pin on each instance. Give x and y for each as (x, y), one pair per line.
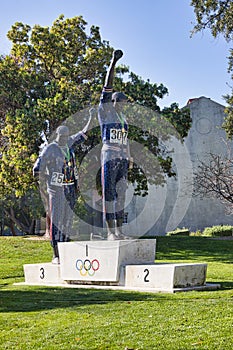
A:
(179, 232)
(198, 233)
(218, 231)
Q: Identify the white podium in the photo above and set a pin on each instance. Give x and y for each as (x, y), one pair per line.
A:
(44, 273)
(101, 261)
(166, 277)
(123, 264)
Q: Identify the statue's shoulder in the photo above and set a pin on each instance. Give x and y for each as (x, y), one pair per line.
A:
(51, 148)
(53, 145)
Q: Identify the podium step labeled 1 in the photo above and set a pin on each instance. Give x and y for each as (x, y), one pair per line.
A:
(166, 277)
(101, 261)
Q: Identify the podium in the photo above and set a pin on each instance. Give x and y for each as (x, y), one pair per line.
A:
(123, 264)
(102, 261)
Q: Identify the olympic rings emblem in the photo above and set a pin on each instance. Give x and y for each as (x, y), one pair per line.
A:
(87, 267)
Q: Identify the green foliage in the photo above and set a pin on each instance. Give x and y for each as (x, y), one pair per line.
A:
(218, 231)
(217, 15)
(53, 72)
(49, 75)
(142, 92)
(228, 122)
(21, 211)
(148, 147)
(179, 118)
(197, 233)
(179, 232)
(214, 231)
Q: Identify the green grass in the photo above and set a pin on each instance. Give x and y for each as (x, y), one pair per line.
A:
(56, 318)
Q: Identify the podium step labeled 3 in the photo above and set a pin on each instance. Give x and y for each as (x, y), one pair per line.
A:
(44, 273)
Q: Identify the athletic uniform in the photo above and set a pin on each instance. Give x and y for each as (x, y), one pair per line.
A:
(114, 157)
(57, 167)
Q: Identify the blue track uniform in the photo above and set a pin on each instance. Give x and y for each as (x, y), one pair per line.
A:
(114, 157)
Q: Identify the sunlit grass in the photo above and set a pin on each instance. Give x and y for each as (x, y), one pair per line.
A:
(57, 318)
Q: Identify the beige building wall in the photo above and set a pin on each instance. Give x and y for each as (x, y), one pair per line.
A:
(181, 208)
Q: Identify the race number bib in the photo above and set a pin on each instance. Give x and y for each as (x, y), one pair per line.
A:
(57, 179)
(118, 136)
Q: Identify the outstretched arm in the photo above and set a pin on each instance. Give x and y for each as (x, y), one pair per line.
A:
(92, 115)
(81, 135)
(117, 54)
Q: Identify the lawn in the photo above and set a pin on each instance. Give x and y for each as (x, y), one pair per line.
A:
(58, 318)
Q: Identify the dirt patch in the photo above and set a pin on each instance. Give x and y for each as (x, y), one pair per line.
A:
(38, 238)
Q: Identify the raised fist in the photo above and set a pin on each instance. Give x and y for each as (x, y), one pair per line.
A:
(117, 54)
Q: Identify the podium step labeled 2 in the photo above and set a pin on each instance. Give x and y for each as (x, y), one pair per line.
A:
(165, 277)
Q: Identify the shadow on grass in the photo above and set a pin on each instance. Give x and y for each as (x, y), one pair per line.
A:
(38, 299)
(194, 248)
(226, 285)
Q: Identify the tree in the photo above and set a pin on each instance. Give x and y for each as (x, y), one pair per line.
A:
(214, 179)
(50, 74)
(217, 15)
(21, 212)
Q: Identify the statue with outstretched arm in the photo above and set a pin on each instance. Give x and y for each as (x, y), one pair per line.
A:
(57, 170)
(114, 154)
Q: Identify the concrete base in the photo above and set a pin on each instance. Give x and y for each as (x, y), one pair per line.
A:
(117, 265)
(206, 287)
(44, 273)
(165, 276)
(101, 261)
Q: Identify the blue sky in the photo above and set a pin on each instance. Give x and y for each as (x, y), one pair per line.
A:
(154, 35)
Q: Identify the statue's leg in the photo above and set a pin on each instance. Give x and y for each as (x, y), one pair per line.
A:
(120, 200)
(109, 193)
(110, 224)
(118, 230)
(56, 202)
(55, 259)
(70, 200)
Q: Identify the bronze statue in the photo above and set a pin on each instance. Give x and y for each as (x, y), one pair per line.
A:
(115, 153)
(56, 167)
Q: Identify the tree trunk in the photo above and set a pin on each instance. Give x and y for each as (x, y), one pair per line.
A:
(14, 221)
(12, 228)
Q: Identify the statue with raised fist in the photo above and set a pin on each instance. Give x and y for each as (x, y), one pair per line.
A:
(114, 154)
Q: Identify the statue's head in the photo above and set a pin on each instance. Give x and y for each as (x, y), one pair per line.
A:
(62, 133)
(119, 99)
